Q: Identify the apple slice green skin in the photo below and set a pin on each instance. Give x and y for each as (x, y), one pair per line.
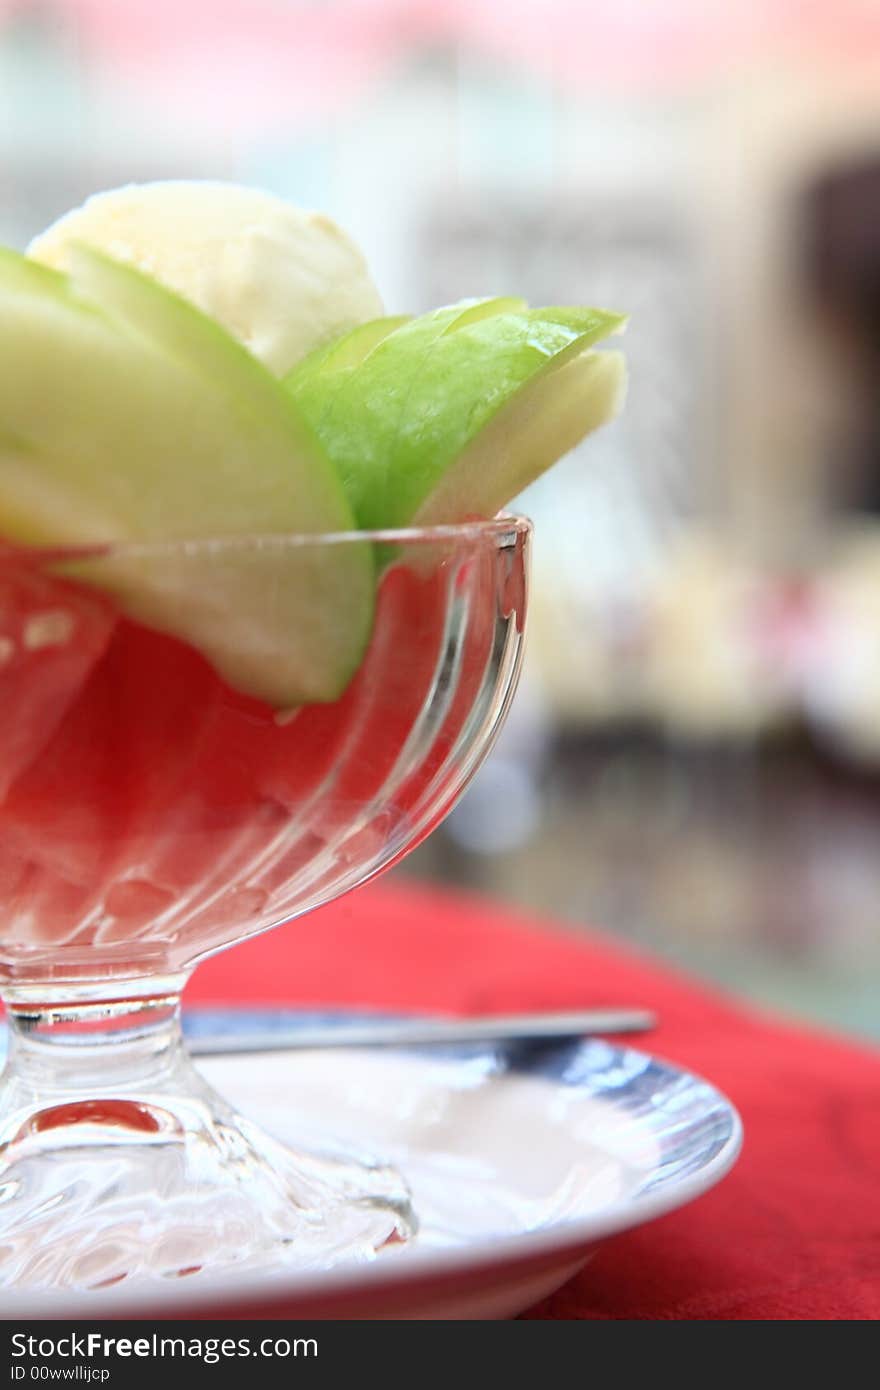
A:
(493, 402)
(487, 365)
(543, 421)
(325, 371)
(170, 431)
(342, 355)
(359, 421)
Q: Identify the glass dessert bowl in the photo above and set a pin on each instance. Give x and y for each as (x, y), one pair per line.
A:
(150, 815)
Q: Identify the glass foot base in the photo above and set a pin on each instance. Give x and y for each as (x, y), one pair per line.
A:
(162, 1178)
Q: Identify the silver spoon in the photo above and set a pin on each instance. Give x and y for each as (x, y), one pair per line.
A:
(223, 1032)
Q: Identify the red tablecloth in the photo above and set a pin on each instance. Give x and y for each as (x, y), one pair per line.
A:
(793, 1232)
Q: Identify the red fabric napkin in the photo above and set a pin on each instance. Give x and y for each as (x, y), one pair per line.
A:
(792, 1232)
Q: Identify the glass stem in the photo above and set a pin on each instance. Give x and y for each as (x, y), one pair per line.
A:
(118, 1159)
(82, 1040)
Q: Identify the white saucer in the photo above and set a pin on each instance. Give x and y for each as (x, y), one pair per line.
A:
(520, 1159)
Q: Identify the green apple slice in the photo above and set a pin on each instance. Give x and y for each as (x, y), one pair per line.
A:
(326, 370)
(540, 423)
(167, 432)
(470, 376)
(358, 423)
(342, 354)
(489, 402)
(445, 464)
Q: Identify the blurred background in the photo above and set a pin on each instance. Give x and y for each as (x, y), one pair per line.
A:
(693, 762)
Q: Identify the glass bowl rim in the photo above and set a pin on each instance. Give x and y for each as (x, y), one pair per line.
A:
(503, 530)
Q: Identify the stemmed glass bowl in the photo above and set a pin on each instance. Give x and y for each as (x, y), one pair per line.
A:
(151, 815)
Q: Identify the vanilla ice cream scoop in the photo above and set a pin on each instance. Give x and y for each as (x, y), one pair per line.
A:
(282, 280)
